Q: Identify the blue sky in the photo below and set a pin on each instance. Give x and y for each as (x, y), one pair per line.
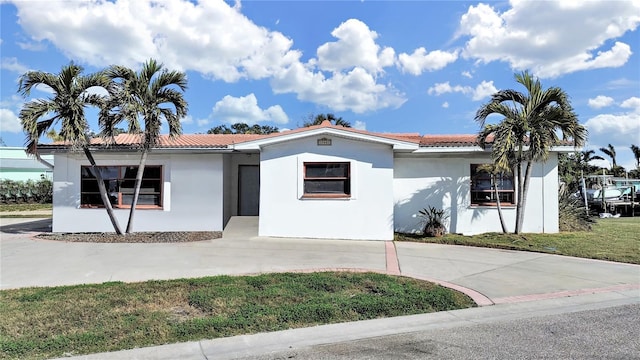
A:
(386, 66)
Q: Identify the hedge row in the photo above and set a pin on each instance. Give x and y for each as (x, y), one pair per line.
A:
(29, 191)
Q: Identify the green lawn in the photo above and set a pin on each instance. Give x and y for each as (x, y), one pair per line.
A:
(24, 207)
(611, 239)
(38, 323)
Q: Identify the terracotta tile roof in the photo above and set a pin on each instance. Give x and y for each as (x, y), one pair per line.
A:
(449, 140)
(224, 141)
(183, 141)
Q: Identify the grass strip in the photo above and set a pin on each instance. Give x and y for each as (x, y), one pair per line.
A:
(24, 207)
(613, 239)
(38, 323)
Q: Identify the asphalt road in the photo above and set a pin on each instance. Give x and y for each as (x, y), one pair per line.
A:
(610, 333)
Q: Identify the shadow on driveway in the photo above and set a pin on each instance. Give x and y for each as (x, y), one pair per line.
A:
(23, 227)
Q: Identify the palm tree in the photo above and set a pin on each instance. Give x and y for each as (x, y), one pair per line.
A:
(610, 151)
(66, 106)
(530, 126)
(583, 159)
(153, 94)
(636, 154)
(318, 119)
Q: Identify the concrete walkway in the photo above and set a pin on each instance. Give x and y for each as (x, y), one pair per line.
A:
(489, 276)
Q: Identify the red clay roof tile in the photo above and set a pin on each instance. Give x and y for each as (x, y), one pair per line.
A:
(223, 141)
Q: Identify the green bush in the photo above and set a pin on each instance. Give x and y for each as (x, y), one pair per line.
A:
(28, 191)
(573, 216)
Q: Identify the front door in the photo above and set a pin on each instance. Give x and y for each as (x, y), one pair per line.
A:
(248, 190)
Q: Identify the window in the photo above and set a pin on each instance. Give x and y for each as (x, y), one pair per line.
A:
(327, 180)
(482, 191)
(120, 182)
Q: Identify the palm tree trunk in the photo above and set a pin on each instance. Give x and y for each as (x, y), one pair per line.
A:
(103, 191)
(523, 200)
(136, 190)
(518, 195)
(495, 188)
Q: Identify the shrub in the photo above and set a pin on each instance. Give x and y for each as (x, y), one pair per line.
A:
(434, 221)
(573, 216)
(28, 191)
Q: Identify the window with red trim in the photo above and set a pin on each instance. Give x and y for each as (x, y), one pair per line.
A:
(327, 179)
(482, 189)
(120, 183)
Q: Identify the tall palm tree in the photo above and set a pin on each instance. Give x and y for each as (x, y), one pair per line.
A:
(66, 106)
(152, 95)
(530, 126)
(636, 154)
(610, 151)
(584, 158)
(318, 119)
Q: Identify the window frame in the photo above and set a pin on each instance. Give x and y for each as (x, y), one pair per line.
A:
(121, 171)
(347, 194)
(507, 196)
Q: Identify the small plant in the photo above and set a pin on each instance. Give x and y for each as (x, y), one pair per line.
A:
(434, 221)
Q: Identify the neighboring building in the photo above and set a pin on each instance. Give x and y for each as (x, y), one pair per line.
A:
(16, 165)
(320, 182)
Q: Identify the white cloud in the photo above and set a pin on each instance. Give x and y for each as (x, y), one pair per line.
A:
(445, 105)
(356, 90)
(12, 64)
(467, 74)
(420, 60)
(619, 129)
(215, 39)
(356, 47)
(631, 103)
(600, 101)
(245, 109)
(481, 91)
(360, 125)
(32, 45)
(579, 42)
(181, 34)
(9, 121)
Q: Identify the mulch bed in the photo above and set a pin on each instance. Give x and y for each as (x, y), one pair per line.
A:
(137, 237)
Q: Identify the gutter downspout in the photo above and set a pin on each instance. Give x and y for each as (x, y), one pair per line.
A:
(44, 162)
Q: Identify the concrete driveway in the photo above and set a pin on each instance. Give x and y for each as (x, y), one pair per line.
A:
(519, 285)
(492, 276)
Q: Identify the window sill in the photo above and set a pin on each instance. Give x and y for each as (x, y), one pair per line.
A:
(493, 205)
(139, 207)
(326, 196)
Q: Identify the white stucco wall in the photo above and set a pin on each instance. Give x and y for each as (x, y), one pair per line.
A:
(443, 182)
(192, 194)
(367, 215)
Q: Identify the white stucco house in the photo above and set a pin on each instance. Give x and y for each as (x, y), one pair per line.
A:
(322, 182)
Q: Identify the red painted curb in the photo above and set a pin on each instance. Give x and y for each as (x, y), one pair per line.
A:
(393, 266)
(567, 293)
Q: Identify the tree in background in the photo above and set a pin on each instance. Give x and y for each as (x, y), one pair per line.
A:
(318, 119)
(530, 125)
(66, 107)
(573, 166)
(152, 95)
(242, 128)
(636, 154)
(610, 151)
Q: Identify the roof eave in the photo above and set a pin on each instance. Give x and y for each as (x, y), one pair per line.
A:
(398, 145)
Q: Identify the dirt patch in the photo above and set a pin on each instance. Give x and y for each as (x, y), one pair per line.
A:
(138, 237)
